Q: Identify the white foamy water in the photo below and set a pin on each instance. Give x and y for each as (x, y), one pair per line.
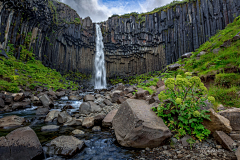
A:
(100, 70)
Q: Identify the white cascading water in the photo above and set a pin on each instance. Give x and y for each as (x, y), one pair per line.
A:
(100, 70)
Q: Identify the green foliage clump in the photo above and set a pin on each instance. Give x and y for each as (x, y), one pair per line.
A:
(227, 79)
(180, 107)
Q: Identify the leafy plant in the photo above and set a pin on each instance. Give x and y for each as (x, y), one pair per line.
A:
(180, 107)
(191, 141)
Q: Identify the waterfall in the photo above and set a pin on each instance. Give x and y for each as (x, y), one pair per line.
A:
(100, 70)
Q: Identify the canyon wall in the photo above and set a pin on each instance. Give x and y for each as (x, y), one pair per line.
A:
(65, 42)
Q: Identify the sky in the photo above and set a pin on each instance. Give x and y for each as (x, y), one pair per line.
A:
(100, 10)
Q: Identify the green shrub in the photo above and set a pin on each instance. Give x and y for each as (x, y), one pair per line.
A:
(227, 79)
(180, 109)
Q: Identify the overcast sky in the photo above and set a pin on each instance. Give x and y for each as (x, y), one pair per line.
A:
(100, 10)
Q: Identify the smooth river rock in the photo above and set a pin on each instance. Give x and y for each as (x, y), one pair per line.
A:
(11, 121)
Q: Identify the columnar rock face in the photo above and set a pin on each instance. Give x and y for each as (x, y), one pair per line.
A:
(64, 41)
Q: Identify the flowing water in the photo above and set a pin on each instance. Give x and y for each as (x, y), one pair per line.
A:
(98, 145)
(100, 70)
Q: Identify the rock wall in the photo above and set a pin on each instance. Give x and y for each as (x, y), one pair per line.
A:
(133, 47)
(65, 42)
(59, 37)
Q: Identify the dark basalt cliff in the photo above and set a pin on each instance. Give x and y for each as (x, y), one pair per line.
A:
(62, 40)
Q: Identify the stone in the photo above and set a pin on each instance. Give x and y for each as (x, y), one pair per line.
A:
(50, 128)
(115, 95)
(96, 129)
(201, 53)
(88, 98)
(121, 99)
(95, 108)
(74, 98)
(217, 123)
(235, 136)
(142, 94)
(2, 104)
(42, 111)
(19, 97)
(64, 117)
(129, 95)
(88, 122)
(21, 105)
(184, 140)
(220, 107)
(129, 90)
(60, 94)
(67, 107)
(21, 143)
(11, 121)
(174, 67)
(78, 132)
(215, 51)
(160, 89)
(98, 119)
(186, 55)
(136, 125)
(233, 115)
(237, 153)
(85, 108)
(34, 98)
(46, 101)
(160, 83)
(120, 86)
(65, 146)
(224, 140)
(52, 115)
(73, 122)
(107, 102)
(107, 121)
(8, 99)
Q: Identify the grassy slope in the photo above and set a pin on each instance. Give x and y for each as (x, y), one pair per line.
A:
(220, 71)
(15, 73)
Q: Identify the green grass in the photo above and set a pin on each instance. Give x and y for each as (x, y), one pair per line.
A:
(223, 67)
(30, 74)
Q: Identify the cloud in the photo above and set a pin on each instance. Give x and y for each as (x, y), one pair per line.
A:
(100, 10)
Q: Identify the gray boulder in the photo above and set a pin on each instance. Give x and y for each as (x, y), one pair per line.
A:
(88, 98)
(46, 101)
(11, 121)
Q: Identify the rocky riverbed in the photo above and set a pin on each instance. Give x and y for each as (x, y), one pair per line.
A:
(85, 125)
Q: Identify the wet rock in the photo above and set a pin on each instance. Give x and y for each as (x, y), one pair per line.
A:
(115, 95)
(21, 105)
(142, 94)
(67, 107)
(74, 98)
(11, 121)
(186, 55)
(88, 122)
(64, 117)
(46, 101)
(136, 125)
(50, 128)
(21, 143)
(98, 119)
(96, 129)
(88, 98)
(233, 115)
(34, 98)
(60, 94)
(52, 115)
(85, 108)
(2, 104)
(65, 146)
(224, 140)
(107, 121)
(42, 111)
(217, 123)
(78, 132)
(174, 67)
(18, 97)
(8, 99)
(73, 122)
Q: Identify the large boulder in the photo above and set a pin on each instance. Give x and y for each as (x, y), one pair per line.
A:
(136, 125)
(95, 108)
(46, 101)
(65, 146)
(223, 139)
(73, 122)
(85, 108)
(107, 121)
(52, 115)
(42, 111)
(21, 143)
(2, 104)
(11, 121)
(233, 115)
(74, 98)
(217, 123)
(88, 122)
(186, 55)
(21, 105)
(174, 67)
(64, 117)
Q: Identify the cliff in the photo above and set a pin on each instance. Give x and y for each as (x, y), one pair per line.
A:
(65, 42)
